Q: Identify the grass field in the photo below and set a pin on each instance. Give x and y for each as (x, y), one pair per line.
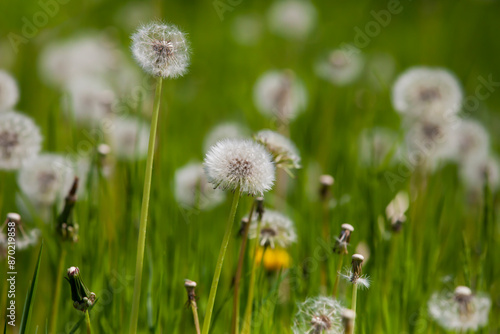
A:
(452, 229)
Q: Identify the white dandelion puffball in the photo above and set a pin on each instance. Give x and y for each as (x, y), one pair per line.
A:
(280, 94)
(341, 67)
(161, 50)
(449, 312)
(283, 150)
(46, 179)
(475, 173)
(228, 130)
(9, 92)
(275, 229)
(87, 55)
(20, 139)
(376, 146)
(129, 138)
(90, 100)
(472, 140)
(192, 189)
(423, 90)
(292, 19)
(319, 315)
(237, 163)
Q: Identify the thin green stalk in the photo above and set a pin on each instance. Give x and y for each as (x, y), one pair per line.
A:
(87, 322)
(353, 306)
(194, 308)
(339, 268)
(144, 211)
(237, 276)
(220, 261)
(248, 310)
(57, 292)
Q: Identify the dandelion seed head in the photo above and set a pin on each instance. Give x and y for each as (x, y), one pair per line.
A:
(292, 19)
(283, 150)
(475, 173)
(238, 163)
(317, 316)
(280, 94)
(460, 310)
(46, 178)
(161, 50)
(20, 140)
(424, 90)
(341, 67)
(9, 92)
(276, 230)
(129, 138)
(192, 189)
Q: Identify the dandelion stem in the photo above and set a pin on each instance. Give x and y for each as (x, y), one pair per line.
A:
(144, 211)
(87, 322)
(220, 261)
(237, 276)
(57, 292)
(353, 305)
(337, 275)
(326, 237)
(194, 308)
(248, 310)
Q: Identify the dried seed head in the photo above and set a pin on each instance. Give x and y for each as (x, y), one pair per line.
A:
(260, 207)
(326, 182)
(357, 263)
(276, 229)
(189, 284)
(320, 315)
(343, 240)
(348, 317)
(13, 217)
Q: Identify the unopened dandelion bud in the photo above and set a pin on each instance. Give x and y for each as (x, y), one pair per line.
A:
(343, 239)
(348, 317)
(67, 228)
(357, 264)
(80, 294)
(326, 182)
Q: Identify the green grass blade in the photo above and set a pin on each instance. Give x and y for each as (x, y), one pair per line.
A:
(30, 297)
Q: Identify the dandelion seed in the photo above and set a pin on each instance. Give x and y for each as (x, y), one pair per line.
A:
(228, 130)
(9, 92)
(427, 91)
(192, 189)
(280, 94)
(20, 139)
(292, 19)
(129, 138)
(319, 315)
(283, 150)
(275, 229)
(340, 67)
(461, 310)
(46, 179)
(234, 163)
(396, 210)
(161, 49)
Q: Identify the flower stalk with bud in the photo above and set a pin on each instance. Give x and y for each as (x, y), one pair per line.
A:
(341, 248)
(190, 289)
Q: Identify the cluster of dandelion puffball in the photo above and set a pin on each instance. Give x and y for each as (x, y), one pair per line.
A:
(276, 229)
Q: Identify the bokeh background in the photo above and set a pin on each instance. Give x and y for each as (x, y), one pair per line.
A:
(438, 248)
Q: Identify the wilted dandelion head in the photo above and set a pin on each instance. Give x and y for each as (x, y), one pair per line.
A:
(280, 94)
(292, 19)
(424, 90)
(227, 130)
(397, 208)
(344, 238)
(128, 138)
(476, 173)
(376, 145)
(9, 92)
(20, 139)
(161, 49)
(283, 150)
(341, 67)
(240, 164)
(319, 315)
(472, 140)
(46, 178)
(192, 189)
(275, 229)
(460, 310)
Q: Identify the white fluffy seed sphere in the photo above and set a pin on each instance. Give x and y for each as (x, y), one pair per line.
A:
(20, 139)
(283, 150)
(341, 67)
(318, 315)
(424, 90)
(292, 19)
(235, 163)
(9, 92)
(276, 229)
(161, 49)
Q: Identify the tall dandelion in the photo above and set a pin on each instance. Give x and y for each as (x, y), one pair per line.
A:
(20, 140)
(243, 167)
(162, 50)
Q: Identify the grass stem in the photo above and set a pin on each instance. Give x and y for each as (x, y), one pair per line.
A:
(57, 292)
